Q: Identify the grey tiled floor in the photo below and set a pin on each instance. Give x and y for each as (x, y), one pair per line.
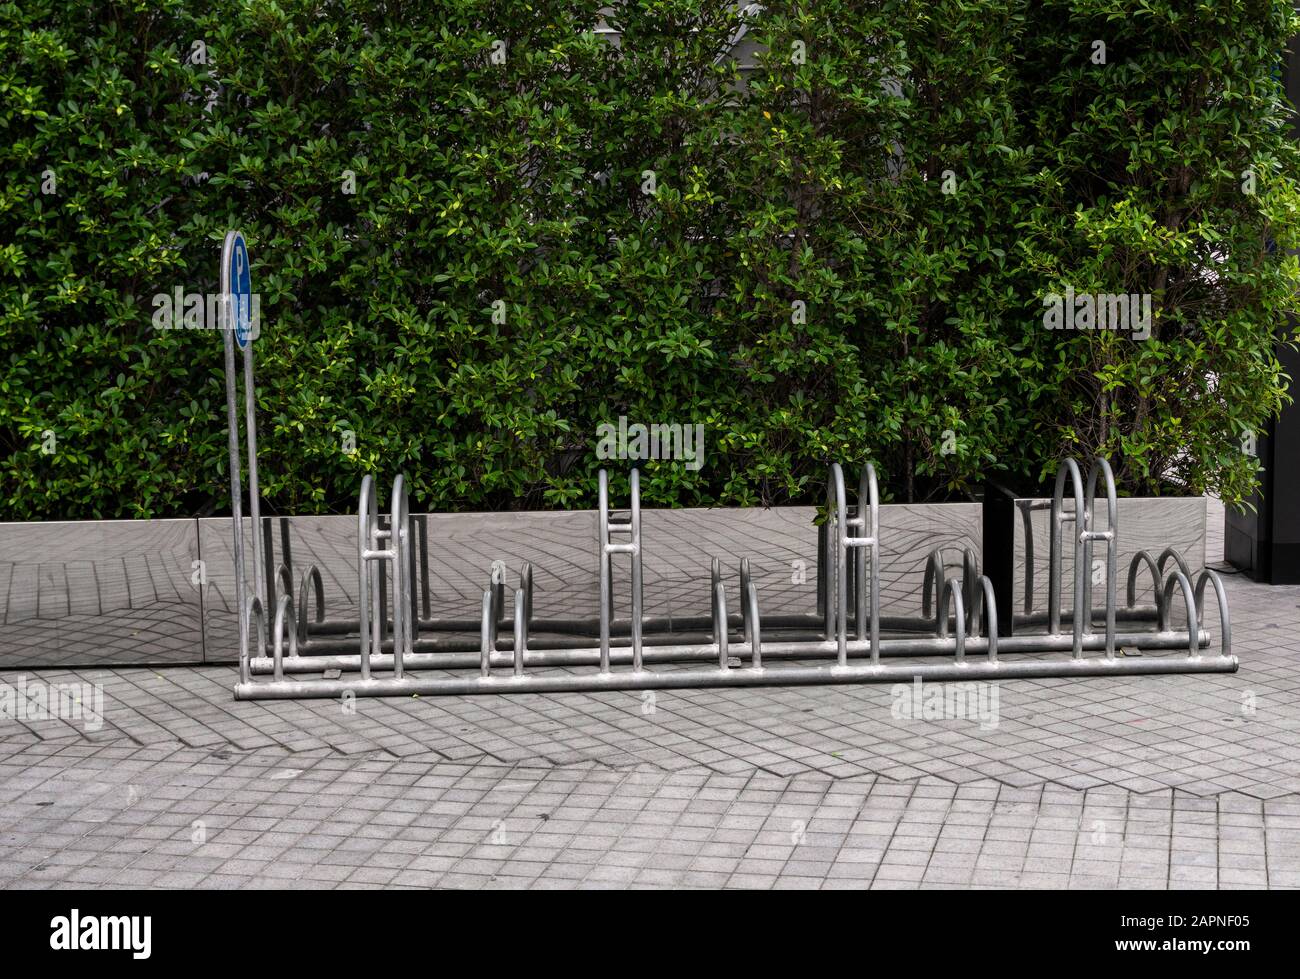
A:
(1176, 781)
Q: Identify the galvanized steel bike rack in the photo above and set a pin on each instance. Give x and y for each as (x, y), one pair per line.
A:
(318, 636)
(963, 608)
(962, 604)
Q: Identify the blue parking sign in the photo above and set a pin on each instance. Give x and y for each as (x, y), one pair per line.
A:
(237, 287)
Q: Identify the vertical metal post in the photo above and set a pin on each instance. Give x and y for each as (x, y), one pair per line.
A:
(1082, 592)
(869, 496)
(1112, 572)
(425, 607)
(254, 495)
(1082, 576)
(1055, 516)
(380, 578)
(398, 543)
(720, 622)
(821, 572)
(837, 510)
(498, 579)
(1110, 536)
(825, 573)
(236, 495)
(1027, 521)
(234, 257)
(526, 583)
(747, 627)
(970, 575)
(1085, 535)
(602, 536)
(487, 639)
(715, 579)
(756, 629)
(859, 566)
(363, 574)
(991, 611)
(638, 610)
(521, 630)
(413, 617)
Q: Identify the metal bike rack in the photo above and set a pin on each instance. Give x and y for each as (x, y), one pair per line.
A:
(960, 611)
(955, 609)
(319, 636)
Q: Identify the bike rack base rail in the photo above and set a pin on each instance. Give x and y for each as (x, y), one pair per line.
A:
(707, 651)
(743, 677)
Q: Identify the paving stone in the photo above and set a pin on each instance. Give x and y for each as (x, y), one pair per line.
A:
(1170, 782)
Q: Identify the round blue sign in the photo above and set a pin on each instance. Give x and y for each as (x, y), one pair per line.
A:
(237, 287)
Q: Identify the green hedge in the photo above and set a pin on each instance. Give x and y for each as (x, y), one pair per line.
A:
(918, 179)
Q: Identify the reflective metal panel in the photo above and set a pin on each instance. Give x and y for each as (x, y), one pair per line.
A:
(99, 593)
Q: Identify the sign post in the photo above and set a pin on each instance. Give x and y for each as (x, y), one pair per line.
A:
(239, 327)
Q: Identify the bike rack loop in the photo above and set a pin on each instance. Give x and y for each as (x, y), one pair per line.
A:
(935, 572)
(1084, 536)
(371, 559)
(861, 531)
(607, 526)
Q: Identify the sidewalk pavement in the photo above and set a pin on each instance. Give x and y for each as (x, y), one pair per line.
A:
(1138, 782)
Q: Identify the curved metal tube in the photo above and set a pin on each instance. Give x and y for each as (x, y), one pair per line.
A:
(497, 579)
(935, 572)
(565, 682)
(400, 541)
(869, 527)
(253, 615)
(487, 633)
(526, 585)
(521, 630)
(607, 549)
(283, 609)
(837, 597)
(283, 578)
(1221, 599)
(1100, 467)
(367, 601)
(1172, 554)
(1162, 606)
(1144, 557)
(638, 603)
(971, 593)
(720, 622)
(311, 576)
(704, 650)
(498, 607)
(715, 579)
(952, 594)
(935, 566)
(1177, 578)
(756, 642)
(746, 579)
(1027, 523)
(991, 605)
(1068, 468)
(602, 538)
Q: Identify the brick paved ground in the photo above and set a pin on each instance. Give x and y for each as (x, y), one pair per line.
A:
(1144, 782)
